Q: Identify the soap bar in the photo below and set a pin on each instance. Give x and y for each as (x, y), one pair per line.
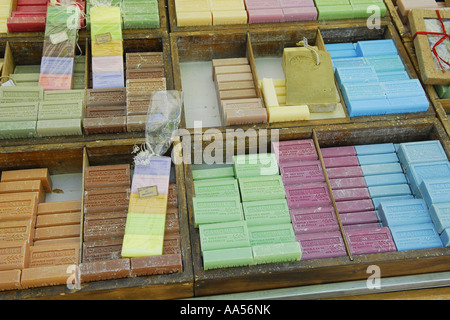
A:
(422, 151)
(349, 75)
(172, 243)
(288, 113)
(382, 47)
(415, 236)
(9, 93)
(270, 234)
(14, 255)
(309, 195)
(266, 212)
(345, 161)
(375, 149)
(393, 76)
(260, 188)
(101, 97)
(225, 235)
(64, 95)
(59, 207)
(18, 206)
(10, 280)
(172, 221)
(56, 232)
(200, 18)
(295, 150)
(24, 186)
(58, 219)
(355, 206)
(344, 172)
(367, 241)
(104, 229)
(299, 172)
(321, 245)
(104, 125)
(314, 219)
(276, 253)
(349, 62)
(17, 129)
(300, 14)
(107, 176)
(389, 190)
(216, 188)
(347, 183)
(226, 258)
(144, 60)
(265, 15)
(377, 201)
(52, 255)
(212, 172)
(351, 194)
(106, 200)
(218, 209)
(354, 218)
(137, 105)
(385, 179)
(45, 276)
(104, 270)
(405, 88)
(332, 152)
(164, 264)
(410, 211)
(383, 168)
(269, 93)
(153, 72)
(435, 190)
(49, 110)
(19, 111)
(386, 63)
(156, 204)
(55, 81)
(251, 165)
(378, 158)
(17, 230)
(106, 112)
(140, 87)
(58, 127)
(156, 166)
(440, 215)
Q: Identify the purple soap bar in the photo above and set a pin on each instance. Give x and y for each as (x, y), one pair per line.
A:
(338, 152)
(358, 217)
(265, 15)
(295, 150)
(314, 219)
(156, 166)
(362, 226)
(307, 195)
(366, 241)
(262, 4)
(300, 14)
(298, 172)
(347, 183)
(296, 3)
(337, 162)
(321, 245)
(57, 65)
(344, 172)
(354, 206)
(351, 194)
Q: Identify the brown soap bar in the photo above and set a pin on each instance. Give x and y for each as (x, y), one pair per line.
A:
(59, 207)
(56, 232)
(237, 94)
(104, 229)
(172, 200)
(64, 49)
(105, 215)
(104, 270)
(58, 241)
(107, 176)
(145, 87)
(105, 125)
(45, 276)
(142, 60)
(234, 77)
(136, 123)
(106, 200)
(21, 230)
(24, 186)
(105, 111)
(154, 72)
(238, 116)
(18, 206)
(10, 280)
(14, 255)
(243, 68)
(172, 221)
(52, 255)
(229, 62)
(172, 243)
(106, 97)
(138, 105)
(235, 85)
(163, 264)
(29, 174)
(243, 103)
(99, 250)
(58, 219)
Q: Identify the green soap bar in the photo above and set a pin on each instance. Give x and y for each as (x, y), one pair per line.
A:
(225, 187)
(360, 10)
(27, 84)
(25, 77)
(277, 253)
(224, 235)
(59, 127)
(269, 234)
(335, 12)
(17, 129)
(141, 245)
(141, 21)
(115, 30)
(79, 64)
(145, 224)
(32, 68)
(442, 91)
(261, 188)
(59, 15)
(215, 210)
(251, 165)
(19, 111)
(227, 258)
(49, 110)
(331, 2)
(266, 212)
(201, 172)
(21, 93)
(51, 95)
(78, 81)
(57, 30)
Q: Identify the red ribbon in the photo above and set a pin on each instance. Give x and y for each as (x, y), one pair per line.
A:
(444, 36)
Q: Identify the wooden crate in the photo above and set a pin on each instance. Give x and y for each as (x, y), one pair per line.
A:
(320, 271)
(402, 28)
(73, 158)
(199, 46)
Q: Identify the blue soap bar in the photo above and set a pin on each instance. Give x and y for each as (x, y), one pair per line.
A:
(445, 237)
(421, 151)
(57, 65)
(108, 80)
(374, 148)
(405, 88)
(408, 104)
(339, 46)
(385, 179)
(435, 190)
(336, 54)
(361, 108)
(349, 62)
(365, 74)
(376, 201)
(378, 158)
(411, 211)
(363, 91)
(415, 236)
(389, 190)
(392, 76)
(382, 168)
(440, 215)
(416, 172)
(386, 63)
(383, 47)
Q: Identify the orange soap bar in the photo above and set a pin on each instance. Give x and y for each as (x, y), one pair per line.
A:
(52, 255)
(29, 174)
(59, 207)
(17, 230)
(14, 255)
(107, 176)
(106, 200)
(45, 276)
(104, 270)
(24, 186)
(58, 219)
(18, 206)
(56, 232)
(163, 264)
(10, 280)
(58, 241)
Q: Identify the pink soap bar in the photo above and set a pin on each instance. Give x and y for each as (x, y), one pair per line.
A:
(295, 150)
(55, 81)
(347, 183)
(337, 162)
(28, 14)
(354, 206)
(31, 8)
(351, 194)
(265, 15)
(321, 245)
(358, 217)
(296, 3)
(300, 14)
(307, 195)
(366, 241)
(262, 4)
(314, 219)
(337, 152)
(32, 2)
(146, 180)
(344, 172)
(26, 24)
(298, 172)
(362, 226)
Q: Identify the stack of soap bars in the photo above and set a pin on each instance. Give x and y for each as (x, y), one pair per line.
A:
(242, 214)
(236, 93)
(349, 9)
(29, 16)
(107, 48)
(269, 11)
(373, 79)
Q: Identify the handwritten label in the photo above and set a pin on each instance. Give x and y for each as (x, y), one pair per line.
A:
(59, 37)
(103, 38)
(146, 192)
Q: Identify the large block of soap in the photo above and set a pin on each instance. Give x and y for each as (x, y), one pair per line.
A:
(415, 236)
(389, 190)
(383, 168)
(385, 179)
(367, 241)
(310, 195)
(226, 258)
(270, 234)
(14, 255)
(224, 235)
(382, 47)
(251, 165)
(261, 188)
(266, 212)
(440, 215)
(411, 211)
(216, 187)
(417, 172)
(294, 172)
(421, 151)
(321, 245)
(380, 148)
(220, 209)
(277, 253)
(435, 190)
(295, 150)
(314, 219)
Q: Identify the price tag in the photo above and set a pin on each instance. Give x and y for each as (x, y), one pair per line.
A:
(103, 38)
(59, 37)
(147, 192)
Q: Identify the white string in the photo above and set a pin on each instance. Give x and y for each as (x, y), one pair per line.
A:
(307, 46)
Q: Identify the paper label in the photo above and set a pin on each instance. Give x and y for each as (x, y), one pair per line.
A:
(59, 37)
(103, 38)
(147, 192)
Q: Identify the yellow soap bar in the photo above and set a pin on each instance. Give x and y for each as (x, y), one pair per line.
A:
(226, 5)
(157, 204)
(105, 15)
(337, 113)
(194, 19)
(5, 11)
(229, 17)
(192, 6)
(141, 245)
(269, 93)
(110, 49)
(288, 113)
(281, 99)
(3, 27)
